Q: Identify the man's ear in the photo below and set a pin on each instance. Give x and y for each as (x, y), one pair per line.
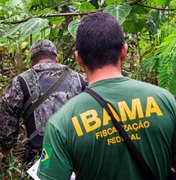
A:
(123, 52)
(79, 59)
(56, 59)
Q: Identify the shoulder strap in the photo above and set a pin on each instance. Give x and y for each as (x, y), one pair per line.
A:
(43, 97)
(29, 101)
(28, 98)
(137, 156)
(24, 87)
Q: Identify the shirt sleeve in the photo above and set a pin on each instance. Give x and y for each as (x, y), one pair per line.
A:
(10, 108)
(55, 160)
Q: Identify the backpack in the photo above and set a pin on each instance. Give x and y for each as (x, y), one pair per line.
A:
(32, 101)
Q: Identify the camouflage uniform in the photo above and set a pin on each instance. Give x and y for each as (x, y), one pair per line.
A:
(13, 99)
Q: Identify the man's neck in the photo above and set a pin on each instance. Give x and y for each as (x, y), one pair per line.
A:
(42, 61)
(103, 73)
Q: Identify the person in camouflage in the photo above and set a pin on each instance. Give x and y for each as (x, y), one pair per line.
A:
(44, 68)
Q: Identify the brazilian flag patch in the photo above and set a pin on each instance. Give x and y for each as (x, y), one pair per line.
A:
(45, 156)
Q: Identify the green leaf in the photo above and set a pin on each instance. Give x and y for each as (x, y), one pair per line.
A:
(86, 6)
(57, 21)
(43, 12)
(109, 2)
(165, 48)
(33, 25)
(3, 2)
(2, 48)
(15, 3)
(165, 72)
(173, 82)
(76, 4)
(38, 35)
(134, 23)
(119, 12)
(151, 63)
(72, 27)
(12, 30)
(160, 2)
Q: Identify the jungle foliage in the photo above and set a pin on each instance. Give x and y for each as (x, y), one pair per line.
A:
(149, 28)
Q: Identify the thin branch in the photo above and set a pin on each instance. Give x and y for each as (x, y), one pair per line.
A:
(62, 14)
(49, 15)
(162, 9)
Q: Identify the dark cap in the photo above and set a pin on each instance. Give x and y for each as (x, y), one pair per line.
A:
(43, 46)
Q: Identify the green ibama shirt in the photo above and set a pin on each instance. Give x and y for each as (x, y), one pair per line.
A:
(81, 137)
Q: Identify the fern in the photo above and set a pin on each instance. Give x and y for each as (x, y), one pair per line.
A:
(163, 62)
(167, 69)
(172, 82)
(164, 72)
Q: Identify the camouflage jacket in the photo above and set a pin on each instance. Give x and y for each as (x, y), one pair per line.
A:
(13, 99)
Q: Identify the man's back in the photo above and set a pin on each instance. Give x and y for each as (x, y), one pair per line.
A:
(14, 99)
(96, 150)
(81, 136)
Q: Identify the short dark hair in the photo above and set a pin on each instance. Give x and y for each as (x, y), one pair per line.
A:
(42, 55)
(99, 40)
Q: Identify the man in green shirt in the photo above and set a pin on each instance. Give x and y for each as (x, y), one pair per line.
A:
(81, 137)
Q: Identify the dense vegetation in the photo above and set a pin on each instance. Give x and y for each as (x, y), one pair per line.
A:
(150, 31)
